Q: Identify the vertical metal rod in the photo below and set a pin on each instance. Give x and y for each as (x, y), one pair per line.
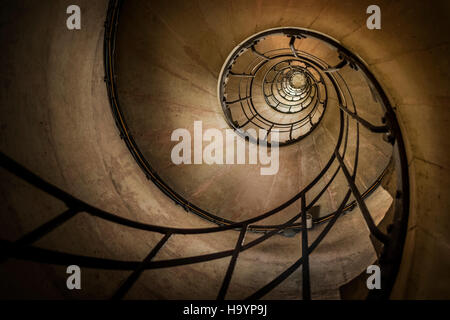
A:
(305, 254)
(248, 121)
(291, 44)
(44, 229)
(47, 227)
(126, 286)
(228, 275)
(268, 132)
(362, 205)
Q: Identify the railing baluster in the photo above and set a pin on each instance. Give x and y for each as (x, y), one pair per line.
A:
(47, 227)
(126, 286)
(228, 275)
(44, 229)
(238, 100)
(305, 254)
(248, 121)
(291, 45)
(268, 131)
(362, 205)
(285, 274)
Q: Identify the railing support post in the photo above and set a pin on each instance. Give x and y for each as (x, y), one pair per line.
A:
(362, 205)
(305, 254)
(227, 279)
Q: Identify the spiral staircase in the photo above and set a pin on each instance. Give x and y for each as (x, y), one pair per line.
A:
(146, 228)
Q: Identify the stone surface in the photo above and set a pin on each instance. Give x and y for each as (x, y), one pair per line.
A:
(56, 120)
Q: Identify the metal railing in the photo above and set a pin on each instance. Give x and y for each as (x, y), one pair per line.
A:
(303, 107)
(389, 259)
